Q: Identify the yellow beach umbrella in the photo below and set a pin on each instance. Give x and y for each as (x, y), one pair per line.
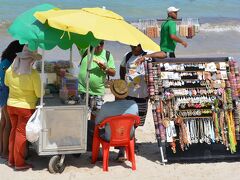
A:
(103, 24)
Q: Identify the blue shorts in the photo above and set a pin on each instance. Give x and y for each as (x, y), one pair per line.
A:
(3, 96)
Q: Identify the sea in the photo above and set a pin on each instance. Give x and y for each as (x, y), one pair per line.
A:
(219, 20)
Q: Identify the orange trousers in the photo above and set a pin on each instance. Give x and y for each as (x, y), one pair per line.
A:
(17, 139)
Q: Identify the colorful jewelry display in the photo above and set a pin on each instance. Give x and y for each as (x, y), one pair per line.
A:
(200, 98)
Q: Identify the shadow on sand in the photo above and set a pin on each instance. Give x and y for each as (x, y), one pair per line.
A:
(197, 153)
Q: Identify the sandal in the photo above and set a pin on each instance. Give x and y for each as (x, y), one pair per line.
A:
(24, 167)
(121, 159)
(121, 156)
(9, 164)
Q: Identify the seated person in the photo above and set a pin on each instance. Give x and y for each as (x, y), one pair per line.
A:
(119, 106)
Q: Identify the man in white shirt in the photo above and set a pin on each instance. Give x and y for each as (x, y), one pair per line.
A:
(135, 77)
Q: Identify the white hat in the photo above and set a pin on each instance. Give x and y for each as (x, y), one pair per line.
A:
(172, 9)
(26, 53)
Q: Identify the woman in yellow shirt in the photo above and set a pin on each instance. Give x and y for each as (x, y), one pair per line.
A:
(7, 58)
(24, 90)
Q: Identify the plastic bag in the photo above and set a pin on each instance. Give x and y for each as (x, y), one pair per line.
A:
(33, 126)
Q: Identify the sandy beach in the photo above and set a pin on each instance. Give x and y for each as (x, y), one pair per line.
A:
(219, 37)
(148, 164)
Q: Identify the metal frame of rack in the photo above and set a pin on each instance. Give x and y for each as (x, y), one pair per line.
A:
(196, 152)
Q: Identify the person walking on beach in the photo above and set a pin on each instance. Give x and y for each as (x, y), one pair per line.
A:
(7, 58)
(168, 36)
(102, 66)
(24, 90)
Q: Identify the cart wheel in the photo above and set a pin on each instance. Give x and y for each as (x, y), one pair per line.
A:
(76, 155)
(54, 165)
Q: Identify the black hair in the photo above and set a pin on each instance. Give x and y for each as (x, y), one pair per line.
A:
(100, 43)
(136, 46)
(10, 52)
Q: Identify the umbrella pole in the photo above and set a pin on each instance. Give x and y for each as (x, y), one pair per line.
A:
(90, 58)
(71, 57)
(42, 77)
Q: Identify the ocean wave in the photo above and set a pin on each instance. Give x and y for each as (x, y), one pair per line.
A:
(208, 27)
(204, 27)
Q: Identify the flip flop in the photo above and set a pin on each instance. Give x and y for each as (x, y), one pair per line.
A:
(9, 164)
(121, 159)
(25, 167)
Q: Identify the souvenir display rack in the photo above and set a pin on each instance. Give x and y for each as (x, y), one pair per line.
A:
(195, 107)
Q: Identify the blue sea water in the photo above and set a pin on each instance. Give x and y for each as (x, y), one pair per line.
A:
(133, 9)
(205, 10)
(219, 32)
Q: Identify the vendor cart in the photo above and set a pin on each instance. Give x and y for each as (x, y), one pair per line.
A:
(63, 128)
(64, 131)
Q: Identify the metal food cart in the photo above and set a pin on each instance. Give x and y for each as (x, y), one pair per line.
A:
(63, 127)
(64, 131)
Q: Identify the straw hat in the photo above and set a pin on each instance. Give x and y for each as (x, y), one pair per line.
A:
(26, 54)
(119, 88)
